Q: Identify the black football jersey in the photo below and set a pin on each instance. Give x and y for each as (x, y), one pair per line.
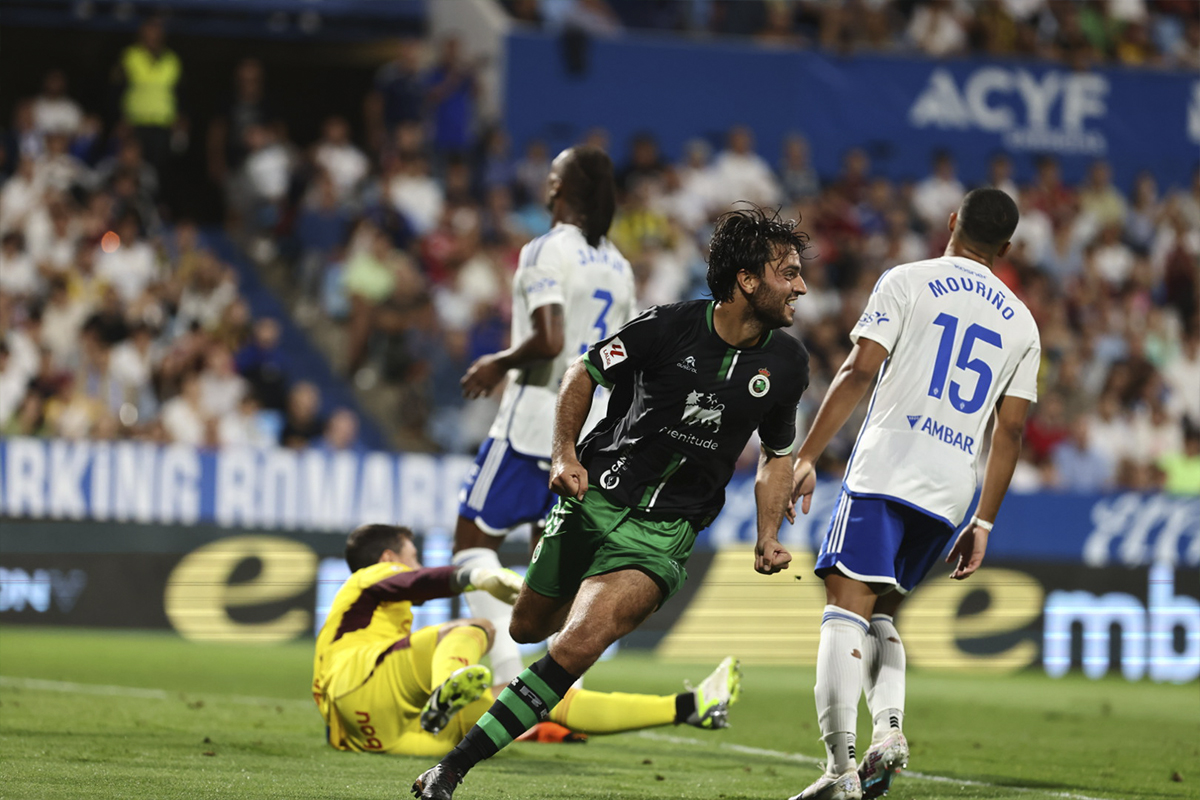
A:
(684, 403)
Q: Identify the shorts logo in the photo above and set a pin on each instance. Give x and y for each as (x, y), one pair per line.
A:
(537, 551)
(703, 410)
(613, 353)
(760, 384)
(611, 477)
(688, 363)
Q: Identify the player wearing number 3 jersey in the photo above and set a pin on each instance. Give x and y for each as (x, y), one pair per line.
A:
(572, 288)
(952, 347)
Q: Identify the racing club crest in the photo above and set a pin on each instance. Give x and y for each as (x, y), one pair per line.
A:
(760, 384)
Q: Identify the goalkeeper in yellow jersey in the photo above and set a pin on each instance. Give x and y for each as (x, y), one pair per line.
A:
(384, 688)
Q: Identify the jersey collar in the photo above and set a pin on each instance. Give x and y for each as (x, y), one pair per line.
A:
(708, 320)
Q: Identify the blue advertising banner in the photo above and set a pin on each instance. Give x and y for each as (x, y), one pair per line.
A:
(899, 109)
(316, 490)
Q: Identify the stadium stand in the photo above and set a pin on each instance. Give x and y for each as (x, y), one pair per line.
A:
(394, 249)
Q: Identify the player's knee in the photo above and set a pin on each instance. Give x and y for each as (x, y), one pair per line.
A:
(485, 625)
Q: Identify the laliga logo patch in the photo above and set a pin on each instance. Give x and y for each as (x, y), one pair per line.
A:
(760, 384)
(613, 353)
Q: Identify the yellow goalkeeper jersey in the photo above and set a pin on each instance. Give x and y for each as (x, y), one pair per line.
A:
(371, 615)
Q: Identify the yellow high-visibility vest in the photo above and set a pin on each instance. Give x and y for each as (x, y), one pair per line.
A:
(150, 93)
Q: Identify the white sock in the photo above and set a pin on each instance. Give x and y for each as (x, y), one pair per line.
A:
(839, 684)
(883, 676)
(505, 656)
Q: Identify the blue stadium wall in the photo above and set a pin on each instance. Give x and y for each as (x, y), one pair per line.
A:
(246, 545)
(900, 109)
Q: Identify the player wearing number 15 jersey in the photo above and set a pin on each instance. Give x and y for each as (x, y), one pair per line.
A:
(572, 288)
(952, 348)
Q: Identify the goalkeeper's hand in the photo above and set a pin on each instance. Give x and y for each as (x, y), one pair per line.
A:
(502, 584)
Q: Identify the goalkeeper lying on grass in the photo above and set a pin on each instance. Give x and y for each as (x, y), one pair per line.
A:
(385, 688)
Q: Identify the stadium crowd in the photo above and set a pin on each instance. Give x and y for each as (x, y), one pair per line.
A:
(122, 325)
(1134, 33)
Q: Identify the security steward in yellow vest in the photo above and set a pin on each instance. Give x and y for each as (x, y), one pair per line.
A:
(151, 74)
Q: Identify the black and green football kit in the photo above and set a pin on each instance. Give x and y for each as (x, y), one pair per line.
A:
(684, 403)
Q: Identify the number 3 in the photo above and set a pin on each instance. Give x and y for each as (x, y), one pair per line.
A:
(601, 324)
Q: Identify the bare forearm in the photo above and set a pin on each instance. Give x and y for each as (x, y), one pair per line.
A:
(1002, 460)
(844, 395)
(545, 342)
(571, 410)
(772, 492)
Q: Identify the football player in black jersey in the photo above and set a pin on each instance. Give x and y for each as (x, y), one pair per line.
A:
(691, 382)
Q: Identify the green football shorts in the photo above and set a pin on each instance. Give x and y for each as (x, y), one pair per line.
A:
(594, 536)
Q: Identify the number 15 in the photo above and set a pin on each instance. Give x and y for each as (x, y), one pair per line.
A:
(974, 333)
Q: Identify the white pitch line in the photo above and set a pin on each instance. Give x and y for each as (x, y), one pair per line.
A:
(803, 759)
(39, 685)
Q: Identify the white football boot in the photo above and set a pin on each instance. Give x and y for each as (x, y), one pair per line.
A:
(882, 763)
(833, 787)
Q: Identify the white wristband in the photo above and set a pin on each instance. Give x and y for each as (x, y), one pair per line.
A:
(987, 526)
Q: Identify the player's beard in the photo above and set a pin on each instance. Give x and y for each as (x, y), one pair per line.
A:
(770, 306)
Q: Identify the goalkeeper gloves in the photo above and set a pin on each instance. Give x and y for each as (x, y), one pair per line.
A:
(503, 584)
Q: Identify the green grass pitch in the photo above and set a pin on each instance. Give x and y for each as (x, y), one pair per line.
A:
(236, 721)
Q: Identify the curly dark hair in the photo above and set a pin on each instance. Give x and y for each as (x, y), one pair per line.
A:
(588, 187)
(748, 239)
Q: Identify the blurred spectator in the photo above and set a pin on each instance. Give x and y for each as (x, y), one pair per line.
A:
(302, 421)
(1181, 470)
(592, 17)
(451, 99)
(1100, 200)
(414, 192)
(398, 97)
(221, 388)
(337, 156)
(183, 417)
(13, 383)
(645, 163)
(938, 196)
(742, 173)
(1181, 374)
(244, 426)
(341, 432)
(799, 179)
(56, 169)
(228, 132)
(322, 227)
(936, 29)
(53, 110)
(264, 180)
(1078, 464)
(260, 362)
(777, 28)
(18, 274)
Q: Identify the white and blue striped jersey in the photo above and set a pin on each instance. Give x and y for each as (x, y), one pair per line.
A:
(957, 340)
(594, 285)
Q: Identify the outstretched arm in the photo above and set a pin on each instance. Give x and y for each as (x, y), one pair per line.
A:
(772, 495)
(567, 476)
(545, 342)
(971, 544)
(853, 379)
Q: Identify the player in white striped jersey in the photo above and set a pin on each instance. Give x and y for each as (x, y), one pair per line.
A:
(571, 289)
(953, 349)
